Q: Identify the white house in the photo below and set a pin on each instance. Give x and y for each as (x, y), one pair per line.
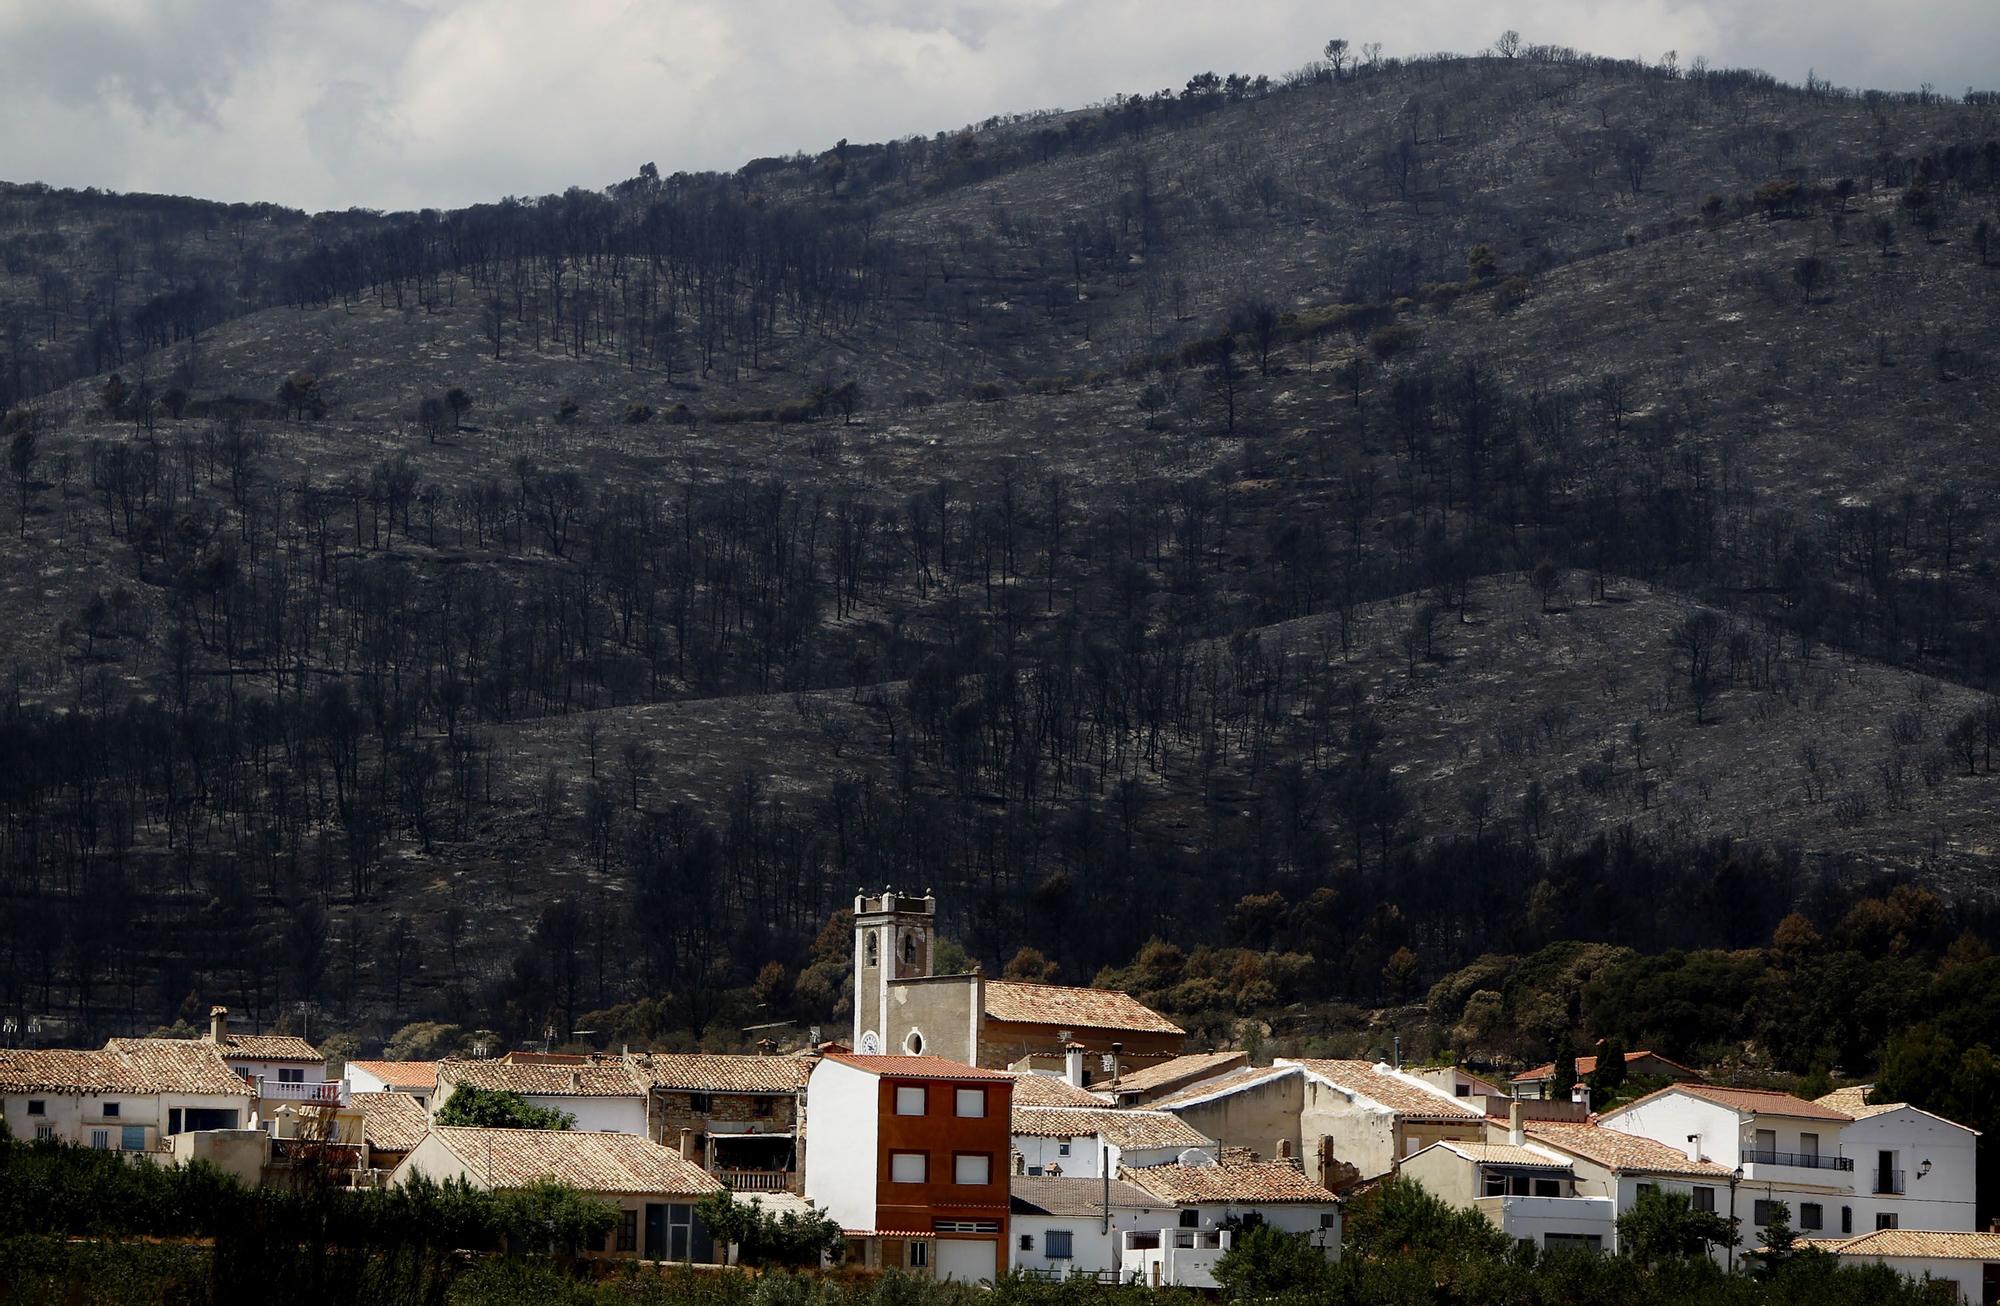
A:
(1528, 1192)
(417, 1078)
(283, 1068)
(1085, 1142)
(1969, 1262)
(1064, 1227)
(1912, 1169)
(1779, 1149)
(131, 1096)
(603, 1093)
(1360, 1119)
(1207, 1195)
(1620, 1167)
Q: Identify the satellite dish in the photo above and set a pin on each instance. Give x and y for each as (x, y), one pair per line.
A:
(1196, 1158)
(870, 1044)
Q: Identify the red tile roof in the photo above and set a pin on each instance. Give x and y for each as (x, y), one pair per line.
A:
(392, 1122)
(1233, 1179)
(1921, 1244)
(402, 1074)
(270, 1047)
(181, 1065)
(1619, 1151)
(1585, 1065)
(611, 1078)
(1238, 1080)
(917, 1067)
(1758, 1101)
(1020, 1002)
(592, 1162)
(1031, 1089)
(1176, 1072)
(69, 1071)
(1123, 1129)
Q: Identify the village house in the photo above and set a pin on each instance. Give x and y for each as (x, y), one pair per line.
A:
(417, 1078)
(654, 1188)
(1064, 1228)
(1528, 1192)
(1360, 1119)
(1256, 1108)
(1460, 1083)
(1622, 1167)
(132, 1096)
(1641, 1065)
(1964, 1265)
(1210, 1198)
(1079, 1141)
(283, 1068)
(392, 1124)
(910, 1155)
(902, 1007)
(1780, 1150)
(736, 1116)
(1912, 1169)
(604, 1094)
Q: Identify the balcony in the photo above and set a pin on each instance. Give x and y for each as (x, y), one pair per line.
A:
(1173, 1258)
(1535, 1218)
(1801, 1160)
(756, 1181)
(317, 1092)
(1888, 1183)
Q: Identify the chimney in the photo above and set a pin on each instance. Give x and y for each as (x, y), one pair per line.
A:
(287, 1122)
(1117, 1052)
(1515, 1133)
(1073, 1064)
(1694, 1147)
(687, 1144)
(1020, 1164)
(1579, 1094)
(576, 1079)
(218, 1025)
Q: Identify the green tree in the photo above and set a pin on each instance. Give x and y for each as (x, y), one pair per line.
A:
(1608, 1076)
(1263, 1261)
(1664, 1226)
(495, 1108)
(1400, 1216)
(1564, 1078)
(794, 1240)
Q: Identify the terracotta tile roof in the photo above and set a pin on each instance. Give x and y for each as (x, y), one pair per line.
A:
(1585, 1065)
(1075, 1008)
(593, 1162)
(1046, 1195)
(392, 1122)
(403, 1074)
(1236, 1081)
(1233, 1179)
(67, 1071)
(1407, 1096)
(917, 1067)
(1758, 1101)
(537, 1079)
(1504, 1154)
(1166, 1076)
(704, 1073)
(1031, 1089)
(1919, 1243)
(270, 1047)
(1124, 1129)
(1619, 1151)
(180, 1065)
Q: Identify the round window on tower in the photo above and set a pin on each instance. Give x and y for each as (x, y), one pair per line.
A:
(914, 1044)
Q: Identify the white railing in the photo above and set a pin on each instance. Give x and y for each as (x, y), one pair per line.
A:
(323, 1092)
(755, 1181)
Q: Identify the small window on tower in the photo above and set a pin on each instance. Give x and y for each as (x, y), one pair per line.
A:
(909, 949)
(873, 949)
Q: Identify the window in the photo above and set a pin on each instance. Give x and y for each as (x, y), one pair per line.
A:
(291, 1075)
(763, 1106)
(101, 1139)
(908, 1167)
(701, 1102)
(1055, 1245)
(1062, 1149)
(874, 946)
(1496, 1184)
(972, 1168)
(44, 1132)
(1648, 1188)
(909, 1099)
(628, 1231)
(1548, 1188)
(972, 1103)
(914, 1044)
(1767, 1143)
(1847, 1219)
(1765, 1212)
(111, 1110)
(1574, 1242)
(1702, 1198)
(1329, 1219)
(1027, 1242)
(1190, 1218)
(910, 949)
(173, 1120)
(132, 1138)
(1885, 1220)
(1812, 1215)
(1809, 1146)
(1464, 1090)
(920, 1253)
(37, 1107)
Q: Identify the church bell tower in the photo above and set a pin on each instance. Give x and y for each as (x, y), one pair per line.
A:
(893, 934)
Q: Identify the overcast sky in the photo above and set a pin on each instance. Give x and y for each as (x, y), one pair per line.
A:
(408, 103)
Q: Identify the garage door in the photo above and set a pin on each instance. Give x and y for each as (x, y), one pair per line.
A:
(968, 1260)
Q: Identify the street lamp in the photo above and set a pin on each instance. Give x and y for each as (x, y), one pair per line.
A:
(1924, 1169)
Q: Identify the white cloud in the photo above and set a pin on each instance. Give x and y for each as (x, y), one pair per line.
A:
(402, 103)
